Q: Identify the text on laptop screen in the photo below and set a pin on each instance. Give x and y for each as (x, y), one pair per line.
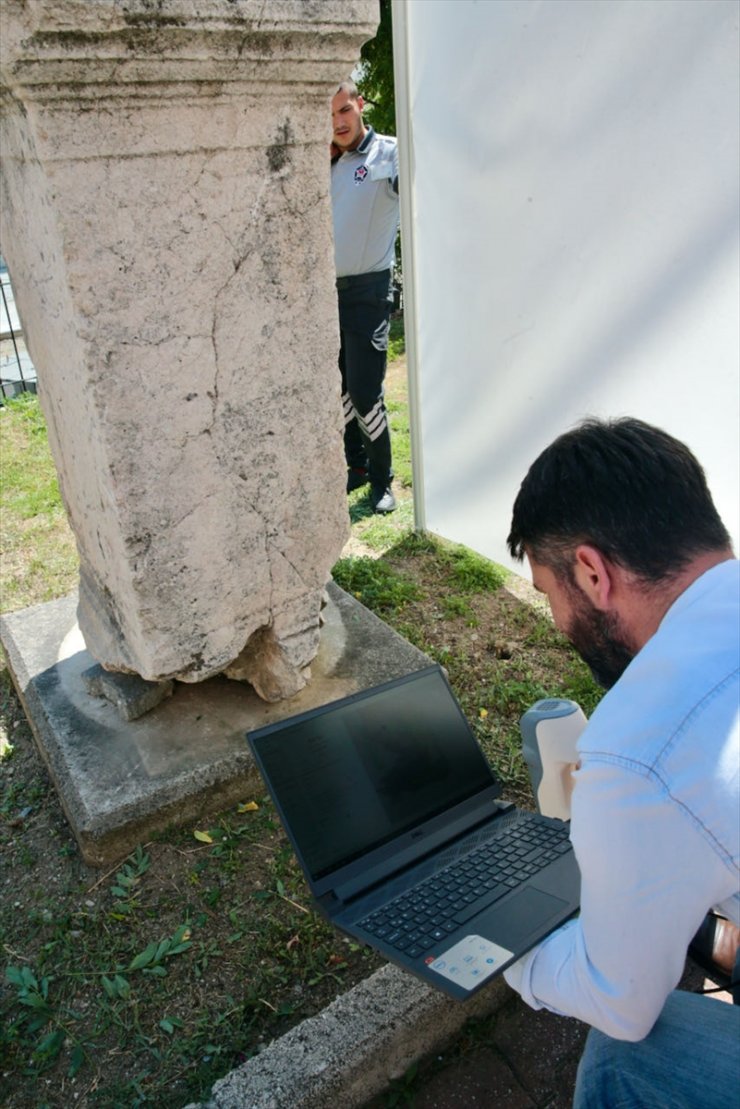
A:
(371, 769)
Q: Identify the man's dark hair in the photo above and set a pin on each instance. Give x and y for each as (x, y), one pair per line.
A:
(629, 489)
(350, 88)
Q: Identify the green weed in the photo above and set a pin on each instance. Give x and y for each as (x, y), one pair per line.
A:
(128, 883)
(40, 1028)
(415, 543)
(372, 581)
(513, 696)
(471, 572)
(455, 605)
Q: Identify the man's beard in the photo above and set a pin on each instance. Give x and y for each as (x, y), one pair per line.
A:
(600, 641)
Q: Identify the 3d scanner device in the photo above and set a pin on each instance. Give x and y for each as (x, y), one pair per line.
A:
(550, 731)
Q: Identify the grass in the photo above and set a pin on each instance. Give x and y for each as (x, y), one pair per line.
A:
(39, 557)
(142, 986)
(396, 340)
(373, 582)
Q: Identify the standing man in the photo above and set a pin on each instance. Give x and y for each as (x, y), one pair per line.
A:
(622, 536)
(364, 193)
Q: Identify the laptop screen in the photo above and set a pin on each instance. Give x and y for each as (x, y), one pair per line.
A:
(357, 773)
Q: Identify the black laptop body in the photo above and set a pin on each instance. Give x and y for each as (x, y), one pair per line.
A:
(397, 822)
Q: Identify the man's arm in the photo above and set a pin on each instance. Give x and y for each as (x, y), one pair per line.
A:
(614, 966)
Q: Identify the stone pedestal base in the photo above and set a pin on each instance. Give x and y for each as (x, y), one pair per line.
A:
(122, 781)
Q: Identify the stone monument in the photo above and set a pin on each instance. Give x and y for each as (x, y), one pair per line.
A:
(166, 220)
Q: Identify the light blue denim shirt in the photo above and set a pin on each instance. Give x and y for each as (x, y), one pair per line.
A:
(655, 820)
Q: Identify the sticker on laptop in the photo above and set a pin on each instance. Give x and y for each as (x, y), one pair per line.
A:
(470, 961)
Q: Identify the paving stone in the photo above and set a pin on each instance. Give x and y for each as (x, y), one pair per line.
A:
(481, 1080)
(537, 1045)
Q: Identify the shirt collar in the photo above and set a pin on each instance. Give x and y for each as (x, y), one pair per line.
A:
(366, 141)
(369, 136)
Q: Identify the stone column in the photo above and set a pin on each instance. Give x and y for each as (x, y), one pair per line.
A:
(166, 220)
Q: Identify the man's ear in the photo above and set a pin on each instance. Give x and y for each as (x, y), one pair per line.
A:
(360, 103)
(594, 575)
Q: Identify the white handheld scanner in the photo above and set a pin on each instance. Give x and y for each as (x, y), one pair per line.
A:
(550, 730)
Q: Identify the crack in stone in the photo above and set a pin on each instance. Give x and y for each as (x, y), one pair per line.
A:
(271, 576)
(237, 264)
(213, 395)
(282, 554)
(294, 209)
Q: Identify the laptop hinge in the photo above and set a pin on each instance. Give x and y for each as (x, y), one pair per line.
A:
(415, 853)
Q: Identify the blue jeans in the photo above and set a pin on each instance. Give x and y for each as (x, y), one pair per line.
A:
(690, 1060)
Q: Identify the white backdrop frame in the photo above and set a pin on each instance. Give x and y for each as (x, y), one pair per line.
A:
(570, 202)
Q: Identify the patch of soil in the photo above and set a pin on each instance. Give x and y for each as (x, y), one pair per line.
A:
(257, 958)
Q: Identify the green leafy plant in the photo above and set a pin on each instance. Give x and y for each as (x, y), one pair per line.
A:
(39, 1029)
(151, 959)
(32, 993)
(128, 881)
(376, 81)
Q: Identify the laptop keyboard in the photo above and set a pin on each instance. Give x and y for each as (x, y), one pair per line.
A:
(438, 906)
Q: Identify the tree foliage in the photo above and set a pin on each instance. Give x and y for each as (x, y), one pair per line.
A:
(375, 77)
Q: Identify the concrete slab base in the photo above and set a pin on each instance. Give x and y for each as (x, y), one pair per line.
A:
(354, 1048)
(121, 781)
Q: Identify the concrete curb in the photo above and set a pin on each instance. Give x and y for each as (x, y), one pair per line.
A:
(354, 1048)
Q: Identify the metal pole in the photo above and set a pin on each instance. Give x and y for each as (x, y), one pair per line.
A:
(12, 336)
(408, 248)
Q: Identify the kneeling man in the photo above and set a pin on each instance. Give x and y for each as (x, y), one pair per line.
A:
(622, 536)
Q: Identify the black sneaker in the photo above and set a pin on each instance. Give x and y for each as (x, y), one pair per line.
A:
(356, 478)
(382, 499)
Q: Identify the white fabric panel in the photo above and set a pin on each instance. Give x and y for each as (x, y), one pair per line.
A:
(571, 168)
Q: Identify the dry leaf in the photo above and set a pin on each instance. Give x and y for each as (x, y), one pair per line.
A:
(247, 806)
(203, 837)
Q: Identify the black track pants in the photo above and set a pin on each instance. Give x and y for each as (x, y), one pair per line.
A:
(364, 320)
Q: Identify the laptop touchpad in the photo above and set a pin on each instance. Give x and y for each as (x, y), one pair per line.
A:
(528, 911)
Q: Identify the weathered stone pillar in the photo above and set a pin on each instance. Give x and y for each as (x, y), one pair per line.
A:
(166, 220)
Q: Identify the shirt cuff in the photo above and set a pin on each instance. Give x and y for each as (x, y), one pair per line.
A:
(519, 974)
(513, 974)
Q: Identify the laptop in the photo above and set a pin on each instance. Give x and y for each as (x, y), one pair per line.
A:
(398, 824)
